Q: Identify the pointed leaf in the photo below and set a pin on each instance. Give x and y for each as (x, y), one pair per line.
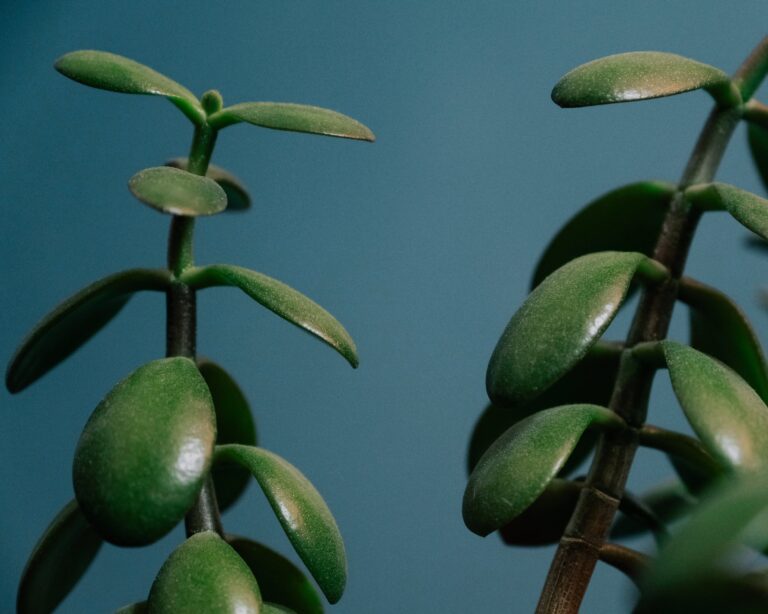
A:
(116, 73)
(516, 469)
(60, 558)
(758, 145)
(237, 195)
(280, 299)
(144, 453)
(234, 424)
(749, 209)
(626, 219)
(292, 117)
(280, 580)
(558, 323)
(641, 75)
(303, 514)
(204, 574)
(669, 502)
(75, 321)
(177, 192)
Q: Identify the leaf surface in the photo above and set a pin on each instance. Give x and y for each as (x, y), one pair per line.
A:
(177, 192)
(749, 209)
(238, 198)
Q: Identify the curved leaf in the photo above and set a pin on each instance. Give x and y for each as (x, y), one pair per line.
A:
(303, 514)
(292, 117)
(177, 192)
(280, 580)
(145, 452)
(204, 574)
(668, 502)
(516, 469)
(280, 299)
(626, 219)
(237, 195)
(758, 146)
(558, 323)
(641, 75)
(58, 561)
(116, 73)
(75, 321)
(748, 209)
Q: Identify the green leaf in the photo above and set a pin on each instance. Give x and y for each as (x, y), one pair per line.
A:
(280, 299)
(279, 579)
(641, 75)
(626, 219)
(204, 574)
(303, 514)
(177, 192)
(516, 469)
(237, 195)
(669, 502)
(758, 146)
(75, 321)
(748, 209)
(292, 117)
(558, 323)
(721, 329)
(234, 424)
(116, 73)
(60, 558)
(145, 452)
(726, 414)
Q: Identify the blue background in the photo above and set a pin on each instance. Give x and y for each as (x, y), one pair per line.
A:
(422, 244)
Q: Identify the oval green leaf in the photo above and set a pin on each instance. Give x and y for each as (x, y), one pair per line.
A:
(758, 146)
(303, 514)
(204, 574)
(626, 219)
(749, 209)
(558, 323)
(116, 73)
(280, 580)
(75, 321)
(238, 198)
(145, 451)
(58, 561)
(234, 424)
(292, 117)
(516, 469)
(280, 299)
(177, 192)
(641, 75)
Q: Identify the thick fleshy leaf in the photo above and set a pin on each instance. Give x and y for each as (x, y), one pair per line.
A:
(280, 580)
(234, 424)
(116, 73)
(280, 299)
(758, 145)
(641, 75)
(75, 321)
(721, 329)
(204, 574)
(668, 502)
(728, 416)
(177, 192)
(303, 514)
(560, 320)
(626, 219)
(60, 558)
(748, 208)
(516, 469)
(237, 195)
(292, 117)
(145, 451)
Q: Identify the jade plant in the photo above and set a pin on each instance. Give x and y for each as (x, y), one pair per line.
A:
(175, 440)
(560, 392)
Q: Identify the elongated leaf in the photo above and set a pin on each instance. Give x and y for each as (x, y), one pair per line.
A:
(204, 574)
(626, 219)
(721, 329)
(116, 73)
(516, 469)
(558, 323)
(641, 75)
(145, 452)
(668, 501)
(234, 424)
(303, 514)
(75, 321)
(728, 416)
(177, 192)
(758, 146)
(749, 209)
(280, 580)
(60, 558)
(292, 117)
(280, 299)
(237, 195)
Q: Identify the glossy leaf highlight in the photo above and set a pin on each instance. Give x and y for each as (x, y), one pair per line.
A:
(177, 192)
(238, 198)
(749, 209)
